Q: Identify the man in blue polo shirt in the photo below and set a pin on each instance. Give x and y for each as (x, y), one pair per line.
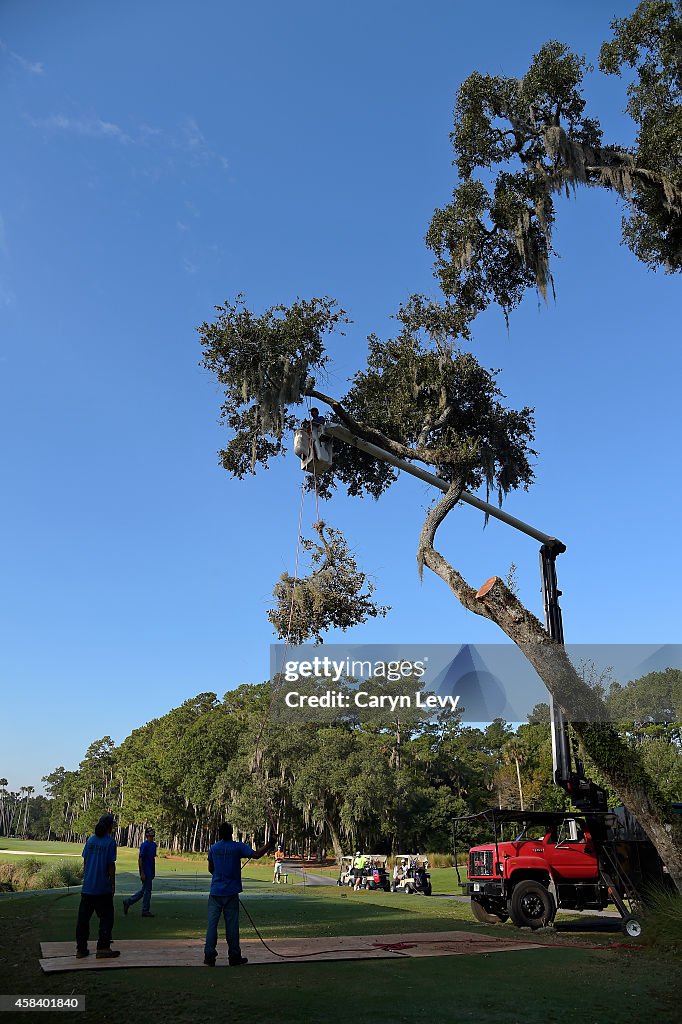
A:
(224, 863)
(147, 868)
(97, 893)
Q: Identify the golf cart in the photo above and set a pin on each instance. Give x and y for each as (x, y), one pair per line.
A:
(411, 874)
(346, 872)
(375, 874)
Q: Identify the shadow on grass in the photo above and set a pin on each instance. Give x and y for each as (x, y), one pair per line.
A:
(555, 984)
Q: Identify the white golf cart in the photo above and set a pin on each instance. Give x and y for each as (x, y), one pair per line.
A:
(411, 874)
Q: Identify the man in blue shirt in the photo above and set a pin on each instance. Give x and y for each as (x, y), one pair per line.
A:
(97, 893)
(224, 863)
(147, 868)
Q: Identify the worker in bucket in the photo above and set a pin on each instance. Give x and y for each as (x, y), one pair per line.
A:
(316, 418)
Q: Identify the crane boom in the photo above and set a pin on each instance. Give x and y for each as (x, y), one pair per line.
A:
(584, 793)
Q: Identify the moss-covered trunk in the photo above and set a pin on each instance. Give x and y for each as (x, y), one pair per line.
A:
(620, 765)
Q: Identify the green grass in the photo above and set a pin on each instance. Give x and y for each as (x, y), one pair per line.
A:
(444, 880)
(578, 977)
(37, 847)
(554, 985)
(126, 856)
(663, 920)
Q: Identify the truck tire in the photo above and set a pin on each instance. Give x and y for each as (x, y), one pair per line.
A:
(532, 905)
(484, 914)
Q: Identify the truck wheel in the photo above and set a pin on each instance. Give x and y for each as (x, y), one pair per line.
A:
(532, 905)
(483, 913)
(631, 926)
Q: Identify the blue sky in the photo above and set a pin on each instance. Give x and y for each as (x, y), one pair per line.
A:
(161, 157)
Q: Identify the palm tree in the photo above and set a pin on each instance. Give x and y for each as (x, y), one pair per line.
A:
(513, 752)
(28, 790)
(4, 824)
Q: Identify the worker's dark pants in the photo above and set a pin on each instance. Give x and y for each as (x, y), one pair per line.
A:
(103, 906)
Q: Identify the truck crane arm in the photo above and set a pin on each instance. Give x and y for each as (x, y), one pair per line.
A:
(584, 794)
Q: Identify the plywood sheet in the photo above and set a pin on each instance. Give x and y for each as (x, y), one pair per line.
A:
(60, 956)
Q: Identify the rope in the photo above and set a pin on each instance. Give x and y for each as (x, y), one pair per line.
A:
(258, 752)
(257, 747)
(287, 639)
(317, 497)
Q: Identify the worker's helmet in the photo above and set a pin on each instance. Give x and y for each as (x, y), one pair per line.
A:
(357, 853)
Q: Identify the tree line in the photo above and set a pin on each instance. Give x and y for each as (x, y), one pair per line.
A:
(329, 787)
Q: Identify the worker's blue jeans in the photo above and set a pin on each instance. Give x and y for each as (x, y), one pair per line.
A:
(229, 906)
(144, 894)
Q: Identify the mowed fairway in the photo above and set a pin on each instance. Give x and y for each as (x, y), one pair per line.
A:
(571, 978)
(16, 850)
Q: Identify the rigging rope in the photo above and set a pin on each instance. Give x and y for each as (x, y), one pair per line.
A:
(276, 682)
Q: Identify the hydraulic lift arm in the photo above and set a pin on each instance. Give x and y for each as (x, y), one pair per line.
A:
(584, 794)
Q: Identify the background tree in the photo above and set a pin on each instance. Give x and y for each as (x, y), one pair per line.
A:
(332, 784)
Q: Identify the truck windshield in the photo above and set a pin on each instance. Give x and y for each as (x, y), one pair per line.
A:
(531, 832)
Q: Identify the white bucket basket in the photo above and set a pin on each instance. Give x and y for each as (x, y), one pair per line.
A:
(315, 454)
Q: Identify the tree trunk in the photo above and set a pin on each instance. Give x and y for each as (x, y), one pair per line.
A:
(620, 765)
(336, 841)
(518, 778)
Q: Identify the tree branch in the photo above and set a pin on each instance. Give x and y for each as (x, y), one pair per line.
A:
(430, 456)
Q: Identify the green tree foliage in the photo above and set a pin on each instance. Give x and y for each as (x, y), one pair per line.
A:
(649, 42)
(519, 142)
(264, 363)
(419, 394)
(391, 785)
(330, 785)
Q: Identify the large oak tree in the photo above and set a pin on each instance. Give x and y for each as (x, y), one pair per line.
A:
(421, 396)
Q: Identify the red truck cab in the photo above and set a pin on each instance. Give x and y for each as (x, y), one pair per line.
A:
(548, 865)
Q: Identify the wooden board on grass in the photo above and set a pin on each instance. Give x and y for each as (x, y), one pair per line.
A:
(60, 956)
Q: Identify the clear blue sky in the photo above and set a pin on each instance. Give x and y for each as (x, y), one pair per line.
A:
(161, 157)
